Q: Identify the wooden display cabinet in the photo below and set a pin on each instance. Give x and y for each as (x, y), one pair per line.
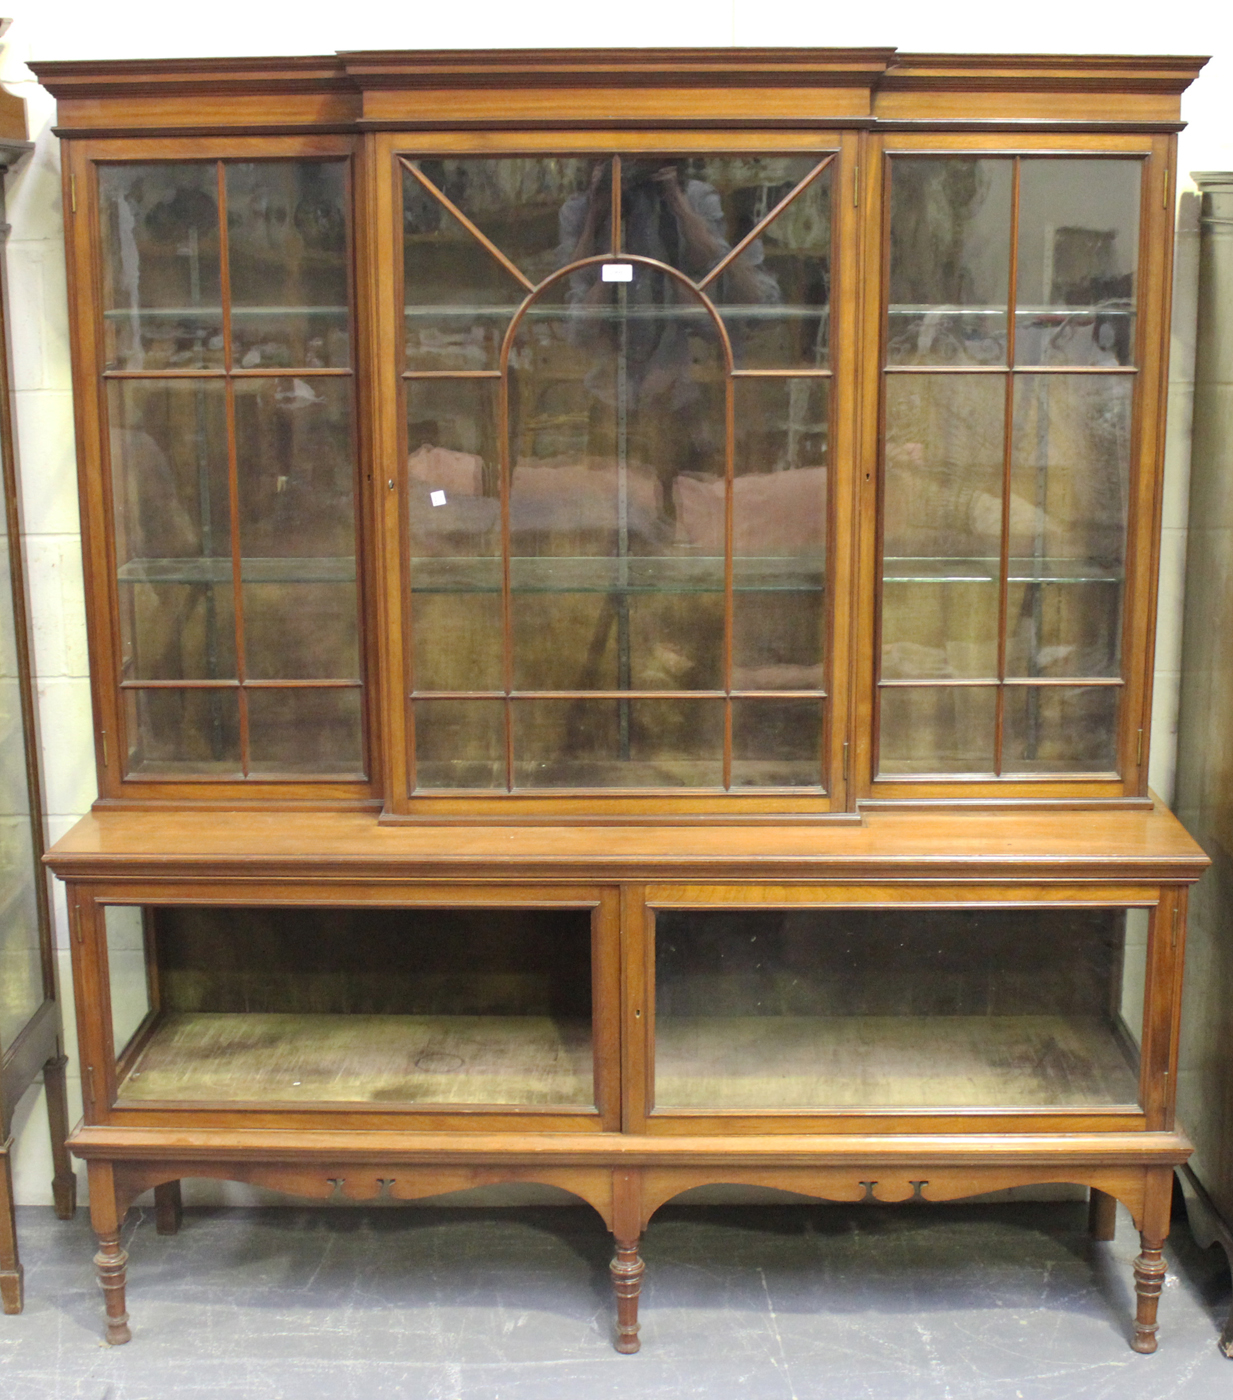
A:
(621, 596)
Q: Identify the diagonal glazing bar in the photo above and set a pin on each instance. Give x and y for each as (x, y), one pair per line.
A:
(482, 238)
(757, 229)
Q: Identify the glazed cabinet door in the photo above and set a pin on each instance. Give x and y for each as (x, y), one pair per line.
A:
(619, 376)
(492, 1008)
(1018, 369)
(218, 360)
(798, 1009)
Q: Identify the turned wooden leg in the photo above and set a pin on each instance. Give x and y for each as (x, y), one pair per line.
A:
(10, 1265)
(106, 1215)
(1101, 1215)
(627, 1269)
(64, 1182)
(168, 1208)
(111, 1262)
(1150, 1272)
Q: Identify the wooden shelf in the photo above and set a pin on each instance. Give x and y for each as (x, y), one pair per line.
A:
(798, 1062)
(263, 1057)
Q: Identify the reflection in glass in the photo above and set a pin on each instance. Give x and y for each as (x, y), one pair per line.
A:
(942, 526)
(1070, 484)
(1078, 256)
(936, 729)
(776, 743)
(307, 729)
(459, 743)
(458, 298)
(374, 1006)
(128, 983)
(525, 205)
(779, 519)
(162, 303)
(1061, 728)
(618, 743)
(182, 733)
(949, 260)
(916, 1008)
(287, 256)
(616, 414)
(168, 455)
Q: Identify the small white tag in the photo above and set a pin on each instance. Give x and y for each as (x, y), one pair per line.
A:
(437, 498)
(617, 272)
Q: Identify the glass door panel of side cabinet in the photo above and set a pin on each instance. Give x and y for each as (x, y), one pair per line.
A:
(1007, 483)
(375, 1007)
(898, 1009)
(239, 484)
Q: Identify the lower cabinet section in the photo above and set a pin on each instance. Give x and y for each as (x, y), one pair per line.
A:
(629, 1013)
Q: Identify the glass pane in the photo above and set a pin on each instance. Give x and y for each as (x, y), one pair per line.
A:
(458, 298)
(454, 509)
(1078, 259)
(942, 525)
(915, 1008)
(162, 303)
(168, 449)
(459, 743)
(949, 260)
(182, 733)
(775, 298)
(288, 256)
(1060, 728)
(306, 730)
(536, 209)
(21, 966)
(779, 515)
(295, 463)
(618, 743)
(374, 1006)
(126, 971)
(1070, 486)
(776, 743)
(936, 729)
(617, 405)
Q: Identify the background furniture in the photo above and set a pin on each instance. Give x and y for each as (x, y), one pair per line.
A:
(30, 1025)
(621, 598)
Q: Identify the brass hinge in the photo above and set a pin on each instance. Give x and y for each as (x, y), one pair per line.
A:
(90, 1083)
(103, 737)
(81, 938)
(845, 760)
(1164, 199)
(856, 185)
(1177, 918)
(73, 192)
(1139, 749)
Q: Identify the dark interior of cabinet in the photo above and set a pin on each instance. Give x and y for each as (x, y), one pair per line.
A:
(853, 1008)
(368, 1005)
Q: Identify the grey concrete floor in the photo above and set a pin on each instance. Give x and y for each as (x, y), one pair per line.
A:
(976, 1302)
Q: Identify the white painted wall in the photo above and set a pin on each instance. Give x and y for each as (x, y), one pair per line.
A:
(74, 29)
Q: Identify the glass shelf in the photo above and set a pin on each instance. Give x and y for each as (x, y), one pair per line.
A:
(799, 574)
(271, 570)
(1055, 312)
(672, 312)
(923, 570)
(124, 313)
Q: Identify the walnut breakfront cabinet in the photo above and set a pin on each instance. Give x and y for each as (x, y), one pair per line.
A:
(621, 593)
